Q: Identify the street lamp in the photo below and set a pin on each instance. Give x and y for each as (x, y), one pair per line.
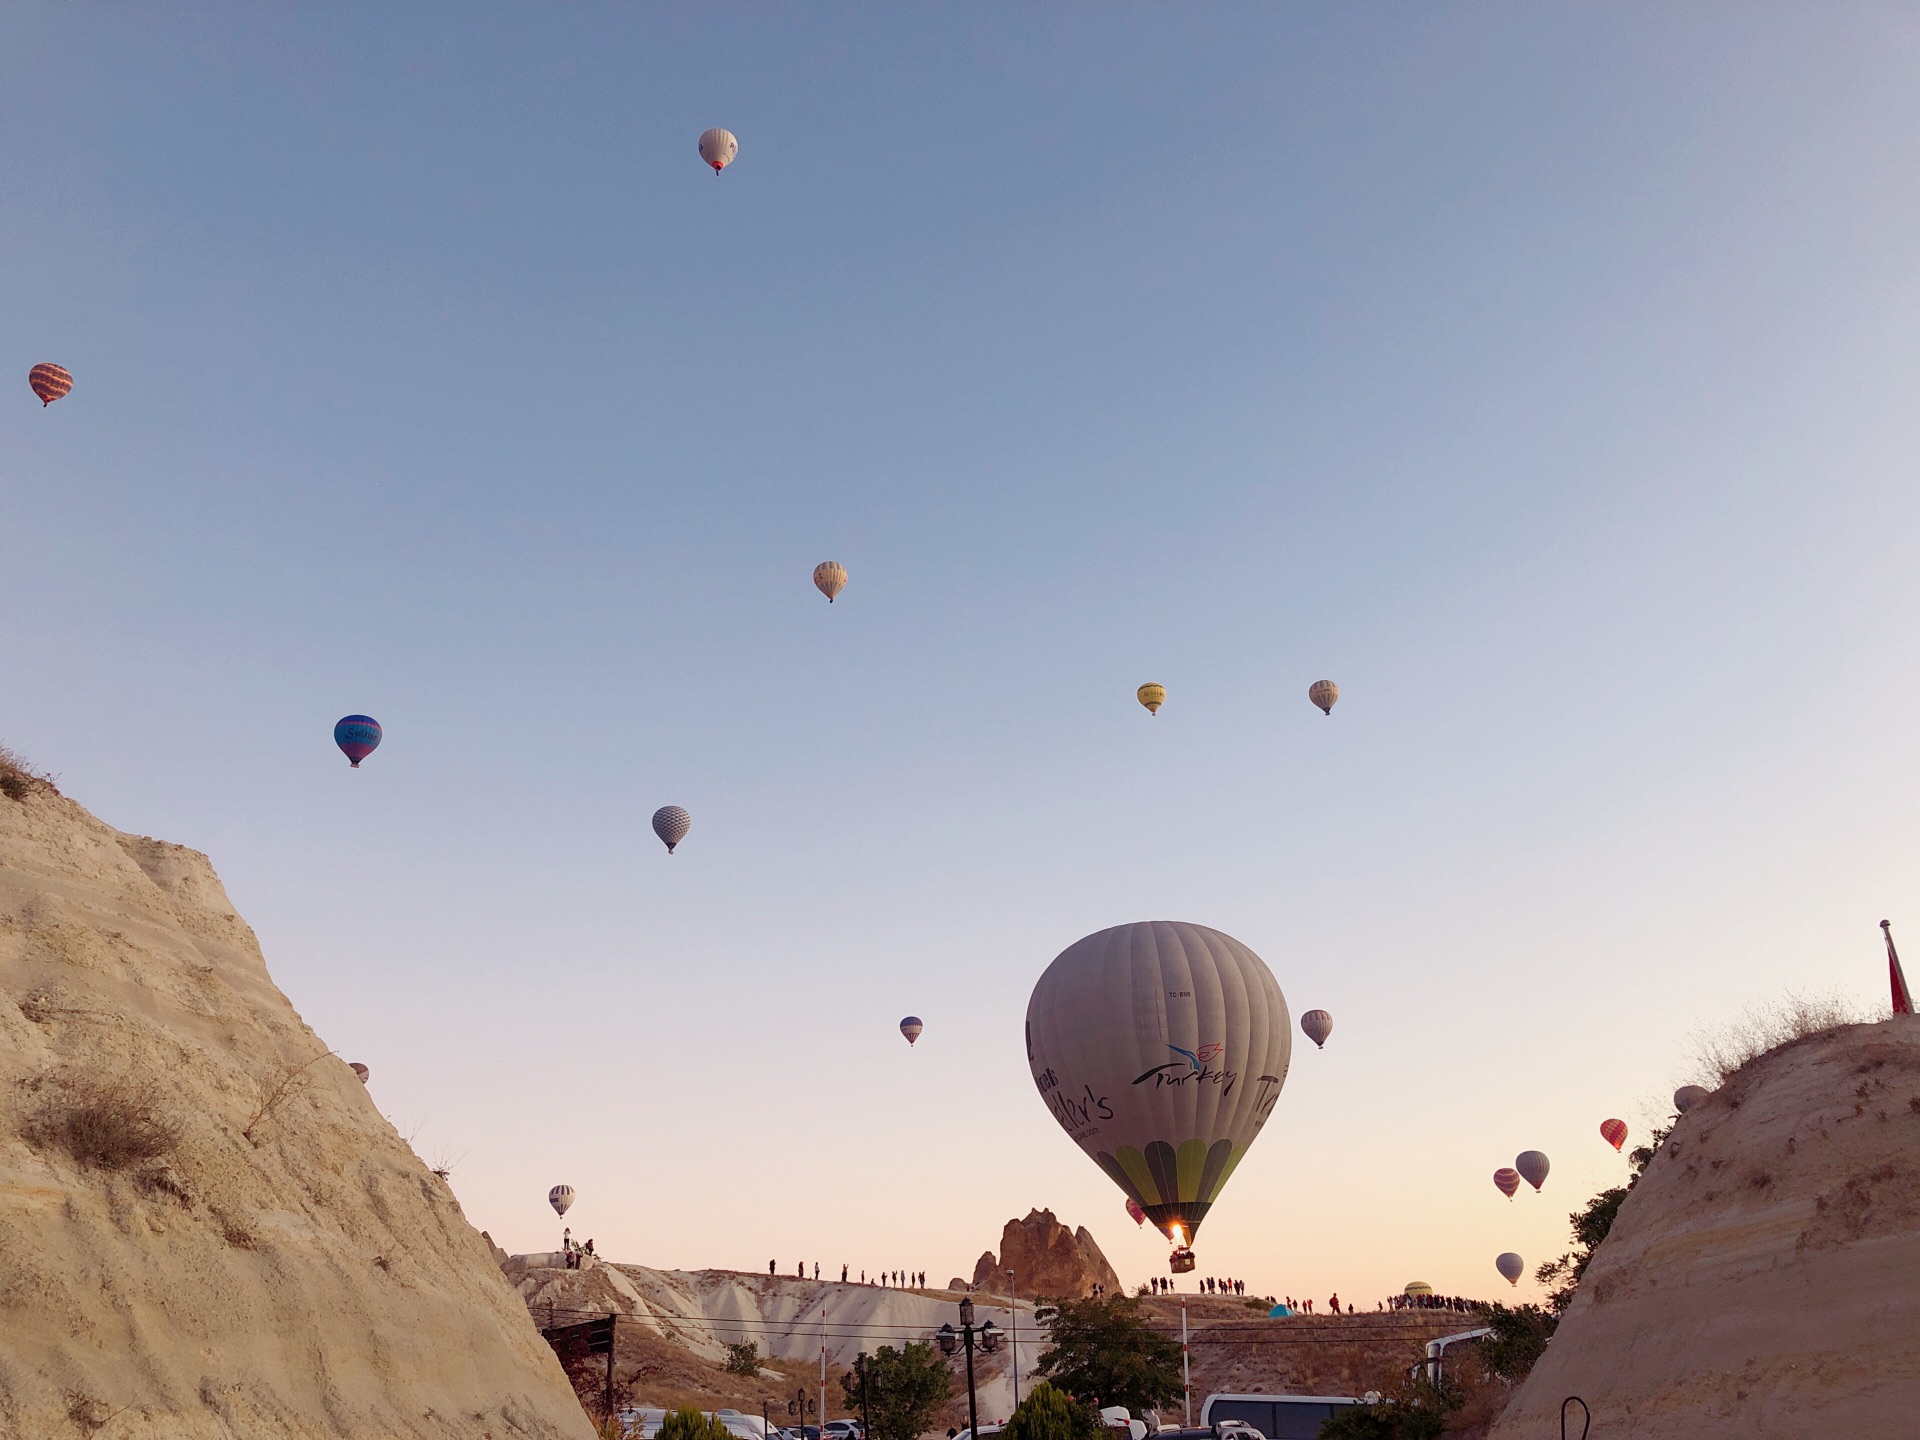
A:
(860, 1364)
(1013, 1319)
(951, 1341)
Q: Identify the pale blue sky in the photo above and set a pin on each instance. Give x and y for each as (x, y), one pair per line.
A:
(1543, 374)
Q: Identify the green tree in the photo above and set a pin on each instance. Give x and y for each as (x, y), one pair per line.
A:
(1051, 1414)
(687, 1423)
(1413, 1410)
(1519, 1338)
(906, 1389)
(1592, 1224)
(743, 1359)
(1103, 1351)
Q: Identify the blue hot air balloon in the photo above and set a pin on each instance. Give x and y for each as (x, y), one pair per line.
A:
(358, 736)
(911, 1028)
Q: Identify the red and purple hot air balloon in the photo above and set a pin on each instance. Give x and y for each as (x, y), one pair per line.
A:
(49, 382)
(1134, 1210)
(358, 736)
(1614, 1132)
(1507, 1179)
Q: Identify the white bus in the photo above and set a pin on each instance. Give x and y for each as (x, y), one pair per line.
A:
(1278, 1417)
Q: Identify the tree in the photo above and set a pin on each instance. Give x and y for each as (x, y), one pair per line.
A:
(743, 1359)
(906, 1389)
(1103, 1351)
(1519, 1338)
(1412, 1410)
(1051, 1414)
(1592, 1224)
(687, 1423)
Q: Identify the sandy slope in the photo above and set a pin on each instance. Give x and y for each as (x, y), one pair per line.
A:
(1763, 1279)
(315, 1280)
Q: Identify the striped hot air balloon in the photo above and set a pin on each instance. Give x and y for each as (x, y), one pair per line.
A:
(49, 382)
(1507, 1180)
(1318, 1025)
(718, 147)
(911, 1028)
(1511, 1266)
(358, 736)
(671, 824)
(1138, 1215)
(829, 578)
(1614, 1132)
(1153, 696)
(561, 1198)
(1532, 1166)
(1323, 693)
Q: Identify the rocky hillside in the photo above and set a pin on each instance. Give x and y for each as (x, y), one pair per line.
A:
(207, 1231)
(1763, 1278)
(1046, 1259)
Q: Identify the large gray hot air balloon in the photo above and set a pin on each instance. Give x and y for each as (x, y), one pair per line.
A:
(671, 824)
(1161, 1048)
(1688, 1096)
(561, 1198)
(1317, 1025)
(1532, 1166)
(1511, 1266)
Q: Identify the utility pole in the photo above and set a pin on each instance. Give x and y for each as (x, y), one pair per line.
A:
(823, 1370)
(1013, 1325)
(866, 1424)
(1186, 1373)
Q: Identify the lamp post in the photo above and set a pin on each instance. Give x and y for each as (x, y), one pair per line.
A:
(1013, 1320)
(866, 1424)
(951, 1340)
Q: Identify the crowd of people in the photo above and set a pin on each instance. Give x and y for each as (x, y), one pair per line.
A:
(886, 1279)
(1434, 1302)
(572, 1251)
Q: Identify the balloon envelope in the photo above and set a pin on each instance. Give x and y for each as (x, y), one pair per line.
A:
(830, 578)
(1614, 1132)
(561, 1198)
(1318, 1025)
(1508, 1180)
(1532, 1166)
(358, 736)
(1152, 696)
(1418, 1287)
(1511, 1266)
(359, 1070)
(1688, 1096)
(718, 147)
(1323, 693)
(1134, 1210)
(911, 1028)
(671, 824)
(49, 382)
(1161, 1048)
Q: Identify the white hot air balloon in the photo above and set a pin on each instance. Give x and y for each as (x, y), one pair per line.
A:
(1688, 1096)
(671, 824)
(1511, 1266)
(1532, 1166)
(1323, 693)
(830, 578)
(718, 147)
(1161, 1048)
(1317, 1025)
(561, 1198)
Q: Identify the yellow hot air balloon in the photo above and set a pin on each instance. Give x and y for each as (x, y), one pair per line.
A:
(830, 578)
(1323, 693)
(1152, 696)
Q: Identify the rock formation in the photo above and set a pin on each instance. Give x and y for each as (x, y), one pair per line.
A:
(1763, 1278)
(1046, 1259)
(206, 1228)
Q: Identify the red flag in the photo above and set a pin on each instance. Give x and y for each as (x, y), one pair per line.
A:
(1902, 997)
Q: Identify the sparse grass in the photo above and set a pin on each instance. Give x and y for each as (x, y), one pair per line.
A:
(109, 1125)
(1722, 1053)
(277, 1089)
(18, 779)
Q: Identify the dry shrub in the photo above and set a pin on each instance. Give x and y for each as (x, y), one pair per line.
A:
(1722, 1053)
(18, 779)
(108, 1124)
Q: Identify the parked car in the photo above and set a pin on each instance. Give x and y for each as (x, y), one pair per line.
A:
(985, 1431)
(844, 1430)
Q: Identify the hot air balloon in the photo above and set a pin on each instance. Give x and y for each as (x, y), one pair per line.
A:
(1688, 1096)
(718, 147)
(1133, 1209)
(358, 736)
(911, 1028)
(1318, 1025)
(1418, 1287)
(671, 824)
(829, 578)
(1161, 1048)
(360, 1070)
(49, 382)
(1511, 1266)
(1614, 1132)
(1323, 693)
(1532, 1166)
(1507, 1180)
(561, 1198)
(1152, 696)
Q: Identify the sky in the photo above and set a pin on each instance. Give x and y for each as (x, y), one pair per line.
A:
(1542, 374)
